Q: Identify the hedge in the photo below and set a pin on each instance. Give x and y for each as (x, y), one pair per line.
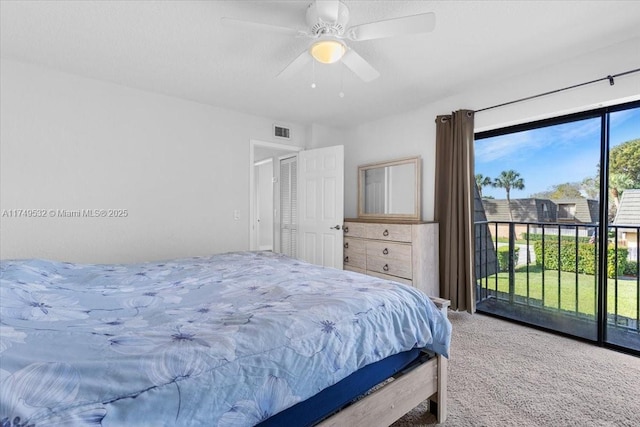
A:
(586, 257)
(503, 257)
(631, 269)
(533, 237)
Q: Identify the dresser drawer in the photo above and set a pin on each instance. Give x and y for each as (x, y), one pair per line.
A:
(354, 253)
(393, 267)
(355, 260)
(354, 246)
(354, 229)
(395, 232)
(389, 250)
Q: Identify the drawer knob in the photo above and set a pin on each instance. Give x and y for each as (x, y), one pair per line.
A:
(385, 251)
(345, 229)
(385, 233)
(346, 245)
(386, 267)
(346, 259)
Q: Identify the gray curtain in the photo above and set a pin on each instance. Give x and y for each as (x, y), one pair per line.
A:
(454, 207)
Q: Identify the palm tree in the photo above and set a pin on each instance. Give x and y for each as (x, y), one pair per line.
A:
(482, 181)
(618, 182)
(509, 180)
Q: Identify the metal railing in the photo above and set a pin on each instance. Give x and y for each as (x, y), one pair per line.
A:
(553, 267)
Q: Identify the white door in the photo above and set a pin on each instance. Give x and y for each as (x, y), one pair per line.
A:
(321, 205)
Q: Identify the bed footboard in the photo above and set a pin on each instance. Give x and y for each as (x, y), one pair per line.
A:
(391, 401)
(427, 381)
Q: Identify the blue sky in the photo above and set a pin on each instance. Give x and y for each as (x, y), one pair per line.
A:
(552, 155)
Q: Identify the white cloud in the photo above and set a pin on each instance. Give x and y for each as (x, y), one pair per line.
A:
(518, 146)
(501, 147)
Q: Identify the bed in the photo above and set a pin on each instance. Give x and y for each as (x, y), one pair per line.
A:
(233, 339)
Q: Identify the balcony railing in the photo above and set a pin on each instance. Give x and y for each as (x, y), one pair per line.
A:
(547, 274)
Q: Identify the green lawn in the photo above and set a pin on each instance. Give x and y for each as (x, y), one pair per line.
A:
(627, 292)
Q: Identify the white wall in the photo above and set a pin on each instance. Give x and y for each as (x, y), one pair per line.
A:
(322, 136)
(413, 132)
(179, 168)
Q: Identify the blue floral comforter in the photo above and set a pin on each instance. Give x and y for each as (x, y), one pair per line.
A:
(226, 340)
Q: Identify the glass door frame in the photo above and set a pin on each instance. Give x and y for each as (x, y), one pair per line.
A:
(603, 236)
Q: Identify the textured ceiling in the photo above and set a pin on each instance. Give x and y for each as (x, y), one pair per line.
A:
(180, 48)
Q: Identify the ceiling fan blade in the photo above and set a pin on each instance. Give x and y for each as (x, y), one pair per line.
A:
(328, 10)
(414, 24)
(252, 25)
(295, 66)
(359, 66)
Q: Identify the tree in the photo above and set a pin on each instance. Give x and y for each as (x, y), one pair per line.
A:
(509, 180)
(591, 187)
(482, 181)
(568, 190)
(624, 171)
(624, 159)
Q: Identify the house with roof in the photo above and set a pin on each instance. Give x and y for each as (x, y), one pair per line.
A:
(519, 211)
(629, 214)
(577, 210)
(528, 213)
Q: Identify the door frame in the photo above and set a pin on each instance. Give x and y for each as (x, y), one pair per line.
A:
(260, 198)
(253, 144)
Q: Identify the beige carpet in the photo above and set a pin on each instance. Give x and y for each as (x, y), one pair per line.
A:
(503, 374)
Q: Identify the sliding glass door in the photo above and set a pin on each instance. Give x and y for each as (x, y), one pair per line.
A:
(550, 250)
(622, 325)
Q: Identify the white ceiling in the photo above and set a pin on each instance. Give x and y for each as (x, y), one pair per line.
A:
(180, 48)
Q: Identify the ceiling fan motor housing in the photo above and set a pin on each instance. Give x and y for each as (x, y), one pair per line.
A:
(321, 22)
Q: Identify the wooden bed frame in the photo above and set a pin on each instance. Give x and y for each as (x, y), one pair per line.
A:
(395, 398)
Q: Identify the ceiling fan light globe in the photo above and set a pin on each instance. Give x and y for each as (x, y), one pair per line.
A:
(328, 51)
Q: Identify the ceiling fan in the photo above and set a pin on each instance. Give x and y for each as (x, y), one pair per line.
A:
(328, 29)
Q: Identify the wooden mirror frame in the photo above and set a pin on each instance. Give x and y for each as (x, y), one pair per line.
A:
(416, 215)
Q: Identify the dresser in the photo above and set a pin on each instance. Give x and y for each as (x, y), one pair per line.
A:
(403, 252)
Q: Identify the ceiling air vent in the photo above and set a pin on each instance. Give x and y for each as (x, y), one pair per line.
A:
(281, 132)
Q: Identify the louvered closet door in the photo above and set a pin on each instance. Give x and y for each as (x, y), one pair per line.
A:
(288, 206)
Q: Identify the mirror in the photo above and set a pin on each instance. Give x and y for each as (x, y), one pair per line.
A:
(390, 190)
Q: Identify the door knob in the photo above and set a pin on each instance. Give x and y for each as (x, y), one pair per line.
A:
(337, 227)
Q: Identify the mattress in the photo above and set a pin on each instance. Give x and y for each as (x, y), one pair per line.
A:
(226, 340)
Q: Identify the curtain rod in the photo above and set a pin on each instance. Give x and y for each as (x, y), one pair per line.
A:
(610, 77)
